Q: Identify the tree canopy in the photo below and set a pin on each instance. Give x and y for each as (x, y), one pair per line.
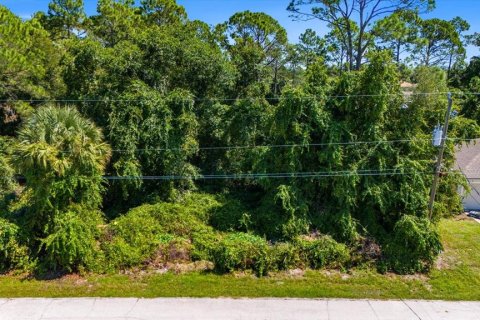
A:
(215, 131)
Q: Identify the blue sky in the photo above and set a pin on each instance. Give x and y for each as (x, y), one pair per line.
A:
(216, 11)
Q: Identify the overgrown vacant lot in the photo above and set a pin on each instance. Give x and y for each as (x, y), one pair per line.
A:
(456, 276)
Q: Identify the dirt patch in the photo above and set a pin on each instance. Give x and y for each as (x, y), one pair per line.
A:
(74, 278)
(443, 263)
(197, 266)
(414, 277)
(408, 277)
(463, 217)
(295, 273)
(162, 267)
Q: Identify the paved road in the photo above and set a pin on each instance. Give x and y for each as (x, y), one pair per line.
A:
(146, 309)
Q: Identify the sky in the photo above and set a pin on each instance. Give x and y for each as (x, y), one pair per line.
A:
(217, 11)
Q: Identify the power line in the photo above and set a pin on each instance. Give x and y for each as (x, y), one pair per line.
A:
(272, 146)
(249, 98)
(305, 145)
(290, 175)
(385, 172)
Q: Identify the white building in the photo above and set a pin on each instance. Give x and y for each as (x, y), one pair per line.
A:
(468, 161)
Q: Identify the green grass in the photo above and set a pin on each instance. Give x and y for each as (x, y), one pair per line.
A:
(456, 277)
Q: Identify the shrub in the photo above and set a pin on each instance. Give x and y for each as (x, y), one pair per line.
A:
(175, 249)
(282, 214)
(131, 239)
(175, 218)
(241, 251)
(12, 253)
(322, 251)
(120, 254)
(413, 248)
(204, 241)
(162, 231)
(201, 205)
(7, 184)
(71, 241)
(172, 218)
(284, 256)
(232, 215)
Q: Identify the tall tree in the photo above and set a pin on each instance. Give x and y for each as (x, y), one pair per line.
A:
(341, 14)
(437, 40)
(163, 12)
(311, 47)
(116, 20)
(336, 47)
(256, 43)
(65, 17)
(397, 32)
(28, 67)
(457, 50)
(473, 39)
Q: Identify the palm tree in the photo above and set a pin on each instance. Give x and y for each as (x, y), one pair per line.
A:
(62, 156)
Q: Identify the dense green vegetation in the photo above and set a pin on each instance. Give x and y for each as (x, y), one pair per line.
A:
(455, 277)
(137, 138)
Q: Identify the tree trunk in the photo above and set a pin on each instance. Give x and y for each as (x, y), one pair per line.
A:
(362, 26)
(398, 52)
(275, 79)
(449, 65)
(427, 56)
(359, 55)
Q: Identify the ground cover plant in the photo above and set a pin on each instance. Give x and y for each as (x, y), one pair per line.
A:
(455, 276)
(137, 139)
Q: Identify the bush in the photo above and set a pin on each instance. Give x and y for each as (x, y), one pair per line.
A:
(205, 241)
(232, 215)
(162, 231)
(201, 205)
(282, 214)
(413, 248)
(175, 218)
(12, 254)
(132, 239)
(7, 183)
(71, 241)
(174, 249)
(241, 251)
(322, 252)
(284, 256)
(180, 218)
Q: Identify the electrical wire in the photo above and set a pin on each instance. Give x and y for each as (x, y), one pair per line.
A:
(385, 172)
(305, 145)
(286, 175)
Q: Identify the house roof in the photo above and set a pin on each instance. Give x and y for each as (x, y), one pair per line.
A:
(407, 85)
(468, 159)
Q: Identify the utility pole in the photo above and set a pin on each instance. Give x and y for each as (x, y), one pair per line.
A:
(441, 150)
